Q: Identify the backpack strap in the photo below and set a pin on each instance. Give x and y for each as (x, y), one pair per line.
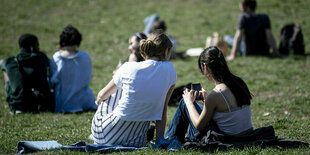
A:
(19, 66)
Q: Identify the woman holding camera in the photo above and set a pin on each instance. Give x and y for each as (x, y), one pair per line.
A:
(227, 105)
(147, 87)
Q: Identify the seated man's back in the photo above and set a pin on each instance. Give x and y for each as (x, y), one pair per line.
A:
(27, 87)
(256, 30)
(254, 27)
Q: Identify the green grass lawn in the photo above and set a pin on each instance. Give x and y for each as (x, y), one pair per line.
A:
(280, 86)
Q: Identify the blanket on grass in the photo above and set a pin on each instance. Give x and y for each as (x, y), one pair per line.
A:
(24, 147)
(264, 136)
(209, 141)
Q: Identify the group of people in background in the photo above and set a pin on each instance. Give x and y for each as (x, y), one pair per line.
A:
(140, 89)
(31, 76)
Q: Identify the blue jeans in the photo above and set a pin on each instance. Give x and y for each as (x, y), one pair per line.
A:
(180, 122)
(148, 23)
(230, 40)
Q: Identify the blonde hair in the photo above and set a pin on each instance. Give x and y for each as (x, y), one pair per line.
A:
(155, 45)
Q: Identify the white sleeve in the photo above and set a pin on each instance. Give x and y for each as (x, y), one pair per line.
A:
(117, 77)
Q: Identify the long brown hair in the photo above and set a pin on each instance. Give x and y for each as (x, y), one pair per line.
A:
(215, 60)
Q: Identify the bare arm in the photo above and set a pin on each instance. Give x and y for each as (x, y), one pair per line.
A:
(271, 41)
(199, 121)
(5, 75)
(106, 92)
(235, 47)
(6, 78)
(161, 124)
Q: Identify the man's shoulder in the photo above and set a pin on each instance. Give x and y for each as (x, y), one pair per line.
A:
(263, 16)
(7, 62)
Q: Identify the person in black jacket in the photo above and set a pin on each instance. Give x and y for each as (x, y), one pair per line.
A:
(26, 77)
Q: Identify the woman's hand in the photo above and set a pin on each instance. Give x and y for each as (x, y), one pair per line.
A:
(106, 92)
(189, 96)
(98, 100)
(203, 93)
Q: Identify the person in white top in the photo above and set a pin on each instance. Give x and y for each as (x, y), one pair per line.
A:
(146, 90)
(227, 105)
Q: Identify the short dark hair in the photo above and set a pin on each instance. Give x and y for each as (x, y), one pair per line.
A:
(249, 3)
(27, 41)
(70, 36)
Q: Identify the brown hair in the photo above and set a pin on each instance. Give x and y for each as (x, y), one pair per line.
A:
(249, 3)
(139, 37)
(215, 60)
(70, 36)
(160, 24)
(155, 45)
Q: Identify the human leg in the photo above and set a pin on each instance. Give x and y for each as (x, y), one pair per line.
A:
(181, 121)
(148, 23)
(230, 40)
(111, 130)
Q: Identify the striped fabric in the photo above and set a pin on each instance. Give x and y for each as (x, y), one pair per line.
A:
(109, 129)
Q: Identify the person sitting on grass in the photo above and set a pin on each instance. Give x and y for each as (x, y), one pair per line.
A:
(134, 46)
(25, 78)
(134, 56)
(70, 74)
(147, 87)
(228, 105)
(256, 31)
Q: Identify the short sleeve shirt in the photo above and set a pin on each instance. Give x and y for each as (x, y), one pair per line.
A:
(145, 85)
(255, 27)
(70, 78)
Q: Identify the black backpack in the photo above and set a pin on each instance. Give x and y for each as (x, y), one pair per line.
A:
(291, 38)
(28, 89)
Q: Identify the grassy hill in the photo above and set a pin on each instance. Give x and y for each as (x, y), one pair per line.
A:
(281, 86)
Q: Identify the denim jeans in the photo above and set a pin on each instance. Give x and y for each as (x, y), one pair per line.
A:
(230, 40)
(180, 122)
(148, 23)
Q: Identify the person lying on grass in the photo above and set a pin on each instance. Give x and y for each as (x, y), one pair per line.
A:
(227, 105)
(147, 87)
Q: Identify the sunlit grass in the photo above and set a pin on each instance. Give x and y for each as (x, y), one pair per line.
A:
(280, 86)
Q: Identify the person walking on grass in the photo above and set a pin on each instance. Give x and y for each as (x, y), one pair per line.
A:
(228, 105)
(146, 90)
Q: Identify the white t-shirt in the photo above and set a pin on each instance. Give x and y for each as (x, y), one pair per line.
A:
(145, 85)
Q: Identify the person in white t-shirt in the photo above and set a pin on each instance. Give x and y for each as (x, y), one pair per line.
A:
(146, 90)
